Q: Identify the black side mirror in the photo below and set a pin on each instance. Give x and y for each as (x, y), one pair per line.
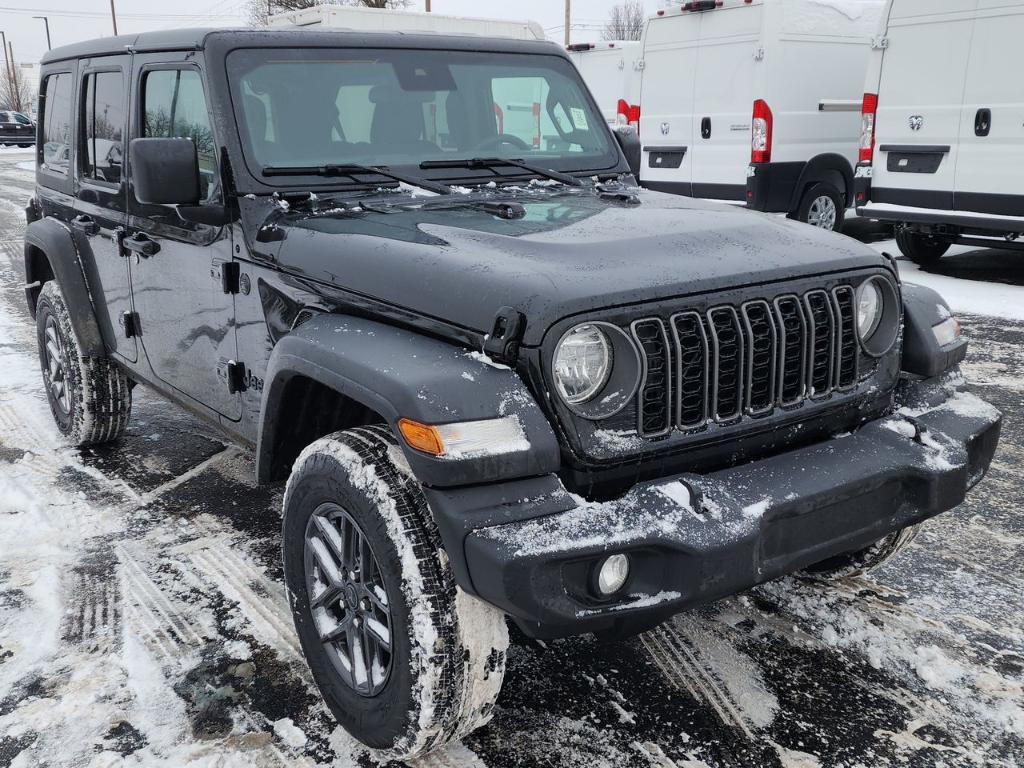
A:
(629, 143)
(165, 171)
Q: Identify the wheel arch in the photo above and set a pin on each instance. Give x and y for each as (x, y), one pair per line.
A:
(51, 253)
(828, 168)
(382, 373)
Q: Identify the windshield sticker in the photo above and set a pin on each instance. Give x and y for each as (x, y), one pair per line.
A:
(579, 118)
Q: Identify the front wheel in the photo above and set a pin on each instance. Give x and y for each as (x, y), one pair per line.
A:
(822, 206)
(404, 659)
(861, 561)
(923, 250)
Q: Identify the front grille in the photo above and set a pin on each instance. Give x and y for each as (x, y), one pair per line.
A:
(734, 362)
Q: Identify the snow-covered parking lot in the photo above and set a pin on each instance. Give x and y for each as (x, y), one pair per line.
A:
(143, 620)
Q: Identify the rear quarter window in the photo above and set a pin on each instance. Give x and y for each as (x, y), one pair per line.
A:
(55, 151)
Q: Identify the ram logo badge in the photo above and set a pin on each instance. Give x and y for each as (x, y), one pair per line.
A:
(916, 122)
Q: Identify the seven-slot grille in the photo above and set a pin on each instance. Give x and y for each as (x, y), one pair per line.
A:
(732, 362)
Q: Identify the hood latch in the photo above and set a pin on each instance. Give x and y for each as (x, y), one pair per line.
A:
(502, 343)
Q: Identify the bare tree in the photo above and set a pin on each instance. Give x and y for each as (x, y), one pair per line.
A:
(626, 21)
(15, 92)
(259, 10)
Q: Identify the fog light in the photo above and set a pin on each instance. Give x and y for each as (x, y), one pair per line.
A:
(612, 574)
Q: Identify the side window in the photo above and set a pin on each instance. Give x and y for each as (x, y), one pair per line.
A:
(56, 149)
(174, 106)
(103, 126)
(20, 118)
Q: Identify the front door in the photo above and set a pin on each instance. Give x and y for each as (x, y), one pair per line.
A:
(186, 320)
(99, 215)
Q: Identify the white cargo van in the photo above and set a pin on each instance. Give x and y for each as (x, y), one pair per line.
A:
(942, 152)
(610, 70)
(756, 101)
(382, 20)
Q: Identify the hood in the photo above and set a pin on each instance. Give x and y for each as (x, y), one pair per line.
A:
(573, 252)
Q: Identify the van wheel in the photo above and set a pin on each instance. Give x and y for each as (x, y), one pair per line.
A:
(923, 250)
(90, 397)
(861, 561)
(822, 206)
(404, 659)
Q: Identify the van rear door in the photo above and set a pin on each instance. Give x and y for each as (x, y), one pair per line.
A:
(723, 100)
(920, 100)
(666, 99)
(990, 168)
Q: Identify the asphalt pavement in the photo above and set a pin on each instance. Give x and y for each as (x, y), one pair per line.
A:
(143, 619)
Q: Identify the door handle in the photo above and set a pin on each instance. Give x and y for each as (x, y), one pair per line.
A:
(141, 244)
(85, 224)
(705, 128)
(983, 122)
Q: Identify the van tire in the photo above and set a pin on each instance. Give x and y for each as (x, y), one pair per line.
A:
(90, 397)
(923, 250)
(863, 560)
(822, 206)
(444, 662)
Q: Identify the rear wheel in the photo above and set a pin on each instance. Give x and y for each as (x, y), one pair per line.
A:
(822, 206)
(90, 397)
(404, 659)
(861, 561)
(924, 250)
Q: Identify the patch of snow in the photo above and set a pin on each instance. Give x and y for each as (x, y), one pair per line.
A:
(634, 602)
(481, 357)
(290, 733)
(677, 492)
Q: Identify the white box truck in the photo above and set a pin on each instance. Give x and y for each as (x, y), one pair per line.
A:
(942, 146)
(756, 101)
(383, 20)
(610, 69)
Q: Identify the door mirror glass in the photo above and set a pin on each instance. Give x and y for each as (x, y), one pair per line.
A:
(165, 171)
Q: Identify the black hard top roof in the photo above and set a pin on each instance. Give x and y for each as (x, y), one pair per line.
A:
(196, 39)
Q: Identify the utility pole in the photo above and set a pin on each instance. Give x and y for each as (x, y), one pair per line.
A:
(113, 17)
(7, 63)
(427, 4)
(46, 21)
(15, 83)
(568, 20)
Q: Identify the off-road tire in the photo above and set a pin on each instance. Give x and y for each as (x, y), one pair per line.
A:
(923, 250)
(864, 560)
(99, 395)
(819, 192)
(448, 649)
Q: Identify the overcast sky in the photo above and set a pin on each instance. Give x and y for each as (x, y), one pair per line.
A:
(73, 20)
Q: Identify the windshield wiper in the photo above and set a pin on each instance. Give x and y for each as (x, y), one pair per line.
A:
(352, 171)
(490, 163)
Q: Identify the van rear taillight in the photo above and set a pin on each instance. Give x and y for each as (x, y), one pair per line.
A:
(868, 114)
(628, 114)
(761, 133)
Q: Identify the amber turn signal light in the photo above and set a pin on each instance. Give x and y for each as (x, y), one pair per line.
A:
(421, 437)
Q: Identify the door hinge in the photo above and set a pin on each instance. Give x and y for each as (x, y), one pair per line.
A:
(234, 375)
(759, 54)
(502, 343)
(228, 273)
(879, 43)
(130, 324)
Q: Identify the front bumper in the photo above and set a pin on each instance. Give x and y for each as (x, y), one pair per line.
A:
(531, 549)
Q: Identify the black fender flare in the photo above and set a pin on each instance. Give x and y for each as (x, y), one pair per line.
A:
(819, 169)
(923, 309)
(57, 243)
(398, 374)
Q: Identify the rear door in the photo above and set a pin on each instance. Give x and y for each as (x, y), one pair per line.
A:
(666, 102)
(723, 100)
(924, 71)
(990, 166)
(100, 216)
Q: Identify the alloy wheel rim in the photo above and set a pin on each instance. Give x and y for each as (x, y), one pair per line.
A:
(348, 600)
(822, 213)
(56, 374)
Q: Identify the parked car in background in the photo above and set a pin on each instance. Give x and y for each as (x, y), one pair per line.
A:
(757, 101)
(16, 128)
(611, 72)
(942, 144)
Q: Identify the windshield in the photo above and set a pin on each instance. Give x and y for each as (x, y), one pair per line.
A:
(316, 107)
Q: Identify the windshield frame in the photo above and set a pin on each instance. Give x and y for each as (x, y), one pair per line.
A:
(610, 163)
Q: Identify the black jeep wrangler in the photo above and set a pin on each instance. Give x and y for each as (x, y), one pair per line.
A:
(417, 276)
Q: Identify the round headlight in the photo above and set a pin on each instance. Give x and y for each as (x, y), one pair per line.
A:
(870, 308)
(583, 363)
